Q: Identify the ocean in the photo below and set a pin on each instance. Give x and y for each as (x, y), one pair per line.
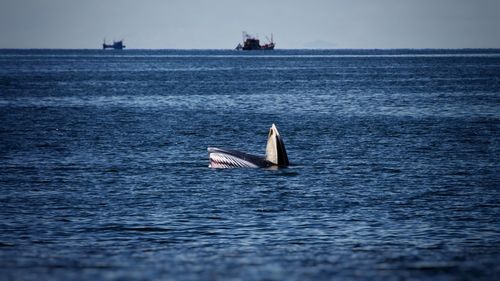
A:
(394, 169)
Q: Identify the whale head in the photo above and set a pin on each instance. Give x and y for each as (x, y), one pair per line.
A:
(275, 155)
(275, 148)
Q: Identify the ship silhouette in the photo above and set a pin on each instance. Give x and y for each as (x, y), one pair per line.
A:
(117, 45)
(251, 43)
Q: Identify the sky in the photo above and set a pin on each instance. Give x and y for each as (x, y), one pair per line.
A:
(218, 24)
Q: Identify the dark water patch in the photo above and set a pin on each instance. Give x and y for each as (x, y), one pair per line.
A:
(42, 242)
(286, 173)
(77, 267)
(432, 266)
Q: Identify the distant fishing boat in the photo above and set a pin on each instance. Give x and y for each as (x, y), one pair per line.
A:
(251, 43)
(117, 45)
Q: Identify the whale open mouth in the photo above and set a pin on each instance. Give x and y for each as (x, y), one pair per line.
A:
(276, 155)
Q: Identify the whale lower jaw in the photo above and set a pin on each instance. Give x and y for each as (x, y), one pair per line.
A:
(225, 158)
(219, 160)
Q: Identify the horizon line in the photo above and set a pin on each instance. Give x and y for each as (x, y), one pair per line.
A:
(266, 51)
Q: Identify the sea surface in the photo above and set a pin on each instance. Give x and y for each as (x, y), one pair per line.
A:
(395, 169)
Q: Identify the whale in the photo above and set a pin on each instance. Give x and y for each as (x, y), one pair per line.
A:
(275, 156)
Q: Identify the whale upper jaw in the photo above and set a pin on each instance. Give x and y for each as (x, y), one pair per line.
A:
(276, 155)
(275, 148)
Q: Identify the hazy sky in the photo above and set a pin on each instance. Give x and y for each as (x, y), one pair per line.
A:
(195, 24)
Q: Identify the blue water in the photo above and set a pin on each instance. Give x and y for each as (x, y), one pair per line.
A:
(104, 170)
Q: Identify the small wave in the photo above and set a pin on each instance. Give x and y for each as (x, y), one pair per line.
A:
(146, 229)
(3, 244)
(119, 228)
